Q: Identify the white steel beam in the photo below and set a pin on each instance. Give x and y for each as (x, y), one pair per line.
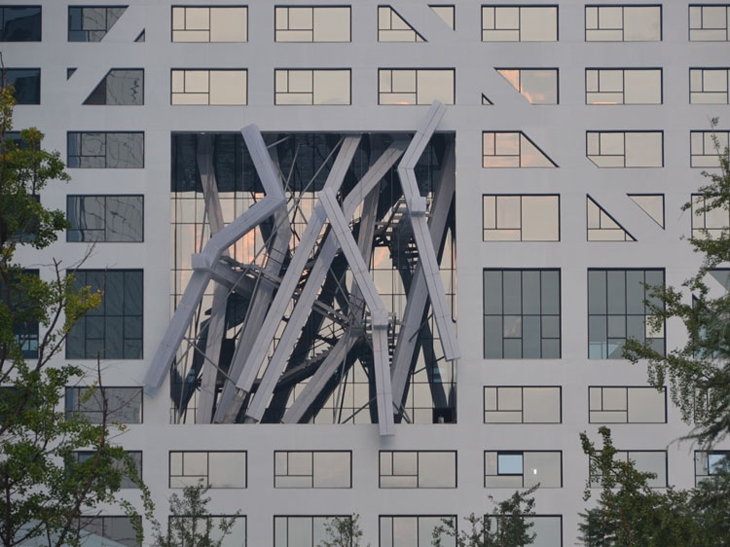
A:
(418, 295)
(417, 209)
(315, 279)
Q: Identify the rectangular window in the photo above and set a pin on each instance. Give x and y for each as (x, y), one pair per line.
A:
(645, 461)
(301, 531)
(415, 86)
(706, 147)
(708, 85)
(105, 150)
(521, 314)
(623, 86)
(20, 24)
(26, 84)
(709, 22)
(708, 223)
(209, 87)
(213, 469)
(208, 530)
(422, 469)
(108, 530)
(519, 23)
(121, 86)
(617, 312)
(123, 404)
(521, 217)
(708, 464)
(522, 405)
(312, 87)
(105, 218)
(627, 405)
(624, 23)
(91, 23)
(209, 24)
(511, 149)
(625, 148)
(312, 23)
(320, 469)
(413, 530)
(114, 329)
(127, 482)
(518, 469)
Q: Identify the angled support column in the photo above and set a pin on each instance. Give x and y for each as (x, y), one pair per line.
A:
(314, 281)
(262, 297)
(216, 326)
(418, 295)
(378, 313)
(319, 379)
(202, 264)
(243, 369)
(417, 209)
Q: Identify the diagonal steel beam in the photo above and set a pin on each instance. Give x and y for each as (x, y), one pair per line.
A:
(417, 209)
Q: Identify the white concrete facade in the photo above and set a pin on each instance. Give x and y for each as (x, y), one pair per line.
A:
(559, 130)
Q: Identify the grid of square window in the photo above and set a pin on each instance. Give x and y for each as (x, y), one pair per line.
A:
(522, 314)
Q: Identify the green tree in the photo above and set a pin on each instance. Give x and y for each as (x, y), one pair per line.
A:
(508, 525)
(342, 532)
(44, 488)
(698, 373)
(190, 523)
(629, 513)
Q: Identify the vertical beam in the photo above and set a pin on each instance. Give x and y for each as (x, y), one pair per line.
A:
(417, 209)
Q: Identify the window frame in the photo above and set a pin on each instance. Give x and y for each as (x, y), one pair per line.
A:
(706, 454)
(415, 92)
(624, 132)
(76, 399)
(104, 519)
(72, 134)
(285, 542)
(520, 135)
(623, 84)
(312, 72)
(206, 477)
(7, 72)
(208, 30)
(135, 455)
(106, 29)
(102, 316)
(521, 453)
(69, 197)
(594, 479)
(522, 315)
(313, 7)
(391, 542)
(183, 71)
(522, 216)
(626, 388)
(418, 476)
(702, 70)
(702, 6)
(312, 476)
(519, 30)
(522, 69)
(21, 6)
(522, 400)
(623, 19)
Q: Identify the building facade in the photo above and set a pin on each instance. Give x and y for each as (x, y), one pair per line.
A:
(376, 258)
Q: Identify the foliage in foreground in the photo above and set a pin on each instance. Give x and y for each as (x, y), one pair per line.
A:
(342, 532)
(508, 525)
(190, 523)
(45, 487)
(629, 513)
(698, 373)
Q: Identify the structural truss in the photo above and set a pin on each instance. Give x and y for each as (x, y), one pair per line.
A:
(341, 308)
